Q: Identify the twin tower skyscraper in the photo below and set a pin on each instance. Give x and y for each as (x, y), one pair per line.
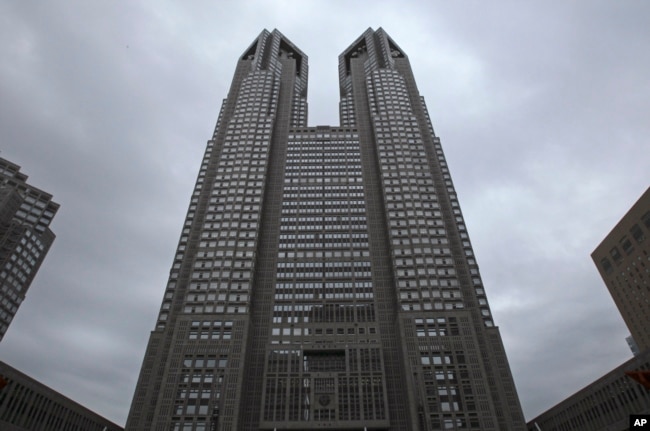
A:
(324, 278)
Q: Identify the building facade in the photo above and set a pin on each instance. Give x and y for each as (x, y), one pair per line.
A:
(25, 237)
(624, 264)
(632, 345)
(604, 405)
(26, 405)
(324, 278)
(623, 260)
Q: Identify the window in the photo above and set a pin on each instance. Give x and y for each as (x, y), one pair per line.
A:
(627, 245)
(606, 265)
(646, 219)
(615, 254)
(637, 233)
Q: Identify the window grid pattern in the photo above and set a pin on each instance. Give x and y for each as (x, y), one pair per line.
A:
(222, 271)
(424, 266)
(425, 239)
(25, 237)
(623, 260)
(323, 245)
(213, 268)
(324, 385)
(199, 391)
(323, 288)
(312, 266)
(29, 405)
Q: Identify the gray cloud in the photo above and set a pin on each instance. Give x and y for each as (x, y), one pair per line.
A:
(542, 111)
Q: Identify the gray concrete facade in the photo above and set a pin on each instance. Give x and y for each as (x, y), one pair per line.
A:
(604, 405)
(28, 405)
(25, 237)
(623, 261)
(324, 278)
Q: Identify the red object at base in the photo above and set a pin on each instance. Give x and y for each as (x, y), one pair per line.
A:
(642, 377)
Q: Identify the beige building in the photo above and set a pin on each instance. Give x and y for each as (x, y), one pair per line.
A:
(623, 260)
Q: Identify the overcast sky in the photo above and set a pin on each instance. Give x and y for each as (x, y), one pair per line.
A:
(543, 111)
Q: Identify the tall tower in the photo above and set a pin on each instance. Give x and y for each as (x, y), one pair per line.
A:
(324, 278)
(25, 237)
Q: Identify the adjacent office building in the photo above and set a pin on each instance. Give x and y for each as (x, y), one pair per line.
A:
(623, 260)
(604, 405)
(25, 237)
(324, 278)
(26, 405)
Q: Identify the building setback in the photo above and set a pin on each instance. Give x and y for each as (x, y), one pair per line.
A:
(25, 237)
(324, 278)
(26, 404)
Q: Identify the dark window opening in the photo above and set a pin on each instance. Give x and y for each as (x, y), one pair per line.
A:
(324, 361)
(615, 254)
(637, 233)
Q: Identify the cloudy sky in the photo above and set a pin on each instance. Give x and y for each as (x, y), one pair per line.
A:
(542, 110)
